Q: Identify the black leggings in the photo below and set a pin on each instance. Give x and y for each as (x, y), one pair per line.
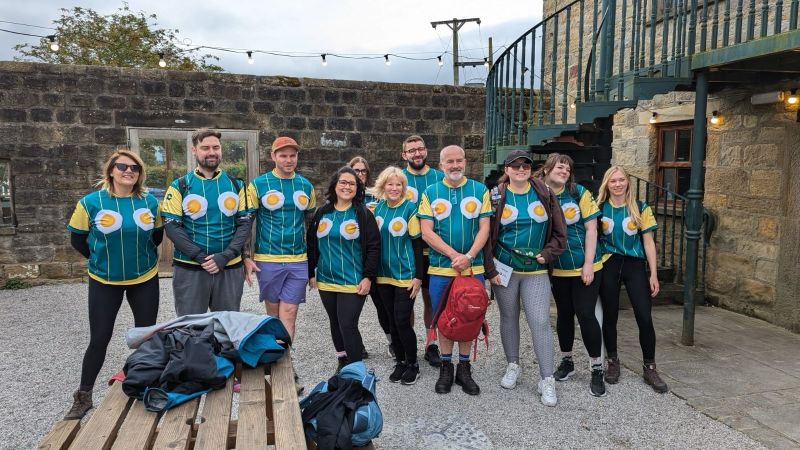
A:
(104, 303)
(400, 308)
(631, 271)
(383, 317)
(344, 311)
(573, 298)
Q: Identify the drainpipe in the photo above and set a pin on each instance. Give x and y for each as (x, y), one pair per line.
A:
(694, 217)
(606, 60)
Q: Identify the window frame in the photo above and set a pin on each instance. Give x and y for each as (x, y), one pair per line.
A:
(12, 204)
(660, 163)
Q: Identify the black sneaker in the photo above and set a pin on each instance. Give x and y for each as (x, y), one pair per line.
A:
(566, 369)
(399, 370)
(432, 356)
(597, 387)
(464, 379)
(445, 381)
(411, 375)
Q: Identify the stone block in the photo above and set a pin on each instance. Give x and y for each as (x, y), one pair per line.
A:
(339, 111)
(91, 85)
(729, 155)
(757, 250)
(364, 125)
(242, 106)
(725, 179)
(316, 123)
(154, 88)
(720, 282)
(80, 101)
(732, 263)
(269, 93)
(55, 270)
(263, 107)
(176, 90)
(423, 126)
(440, 101)
(767, 228)
(66, 116)
(296, 123)
(760, 155)
(766, 183)
(332, 96)
(13, 115)
(276, 122)
(122, 87)
(350, 97)
(198, 105)
(380, 126)
(393, 112)
(714, 201)
(111, 102)
(8, 81)
(196, 89)
(766, 271)
(96, 117)
(295, 95)
(305, 109)
(454, 114)
(112, 136)
(432, 114)
(340, 124)
(754, 291)
(15, 271)
(777, 135)
(402, 126)
(51, 99)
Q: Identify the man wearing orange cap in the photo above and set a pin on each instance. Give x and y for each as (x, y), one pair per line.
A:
(281, 199)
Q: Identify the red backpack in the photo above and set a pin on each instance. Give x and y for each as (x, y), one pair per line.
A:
(461, 314)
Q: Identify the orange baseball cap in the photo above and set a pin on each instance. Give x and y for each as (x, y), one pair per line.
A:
(284, 141)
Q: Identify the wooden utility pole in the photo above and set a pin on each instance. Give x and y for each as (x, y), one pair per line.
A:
(455, 25)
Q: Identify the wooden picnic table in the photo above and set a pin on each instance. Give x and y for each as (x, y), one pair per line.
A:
(269, 414)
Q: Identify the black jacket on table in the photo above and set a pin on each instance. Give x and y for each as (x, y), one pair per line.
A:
(369, 236)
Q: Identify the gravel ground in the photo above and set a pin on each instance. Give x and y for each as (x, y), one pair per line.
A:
(46, 332)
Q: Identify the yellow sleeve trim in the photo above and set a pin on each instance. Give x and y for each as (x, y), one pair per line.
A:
(588, 205)
(648, 221)
(413, 227)
(342, 288)
(424, 207)
(141, 279)
(80, 218)
(575, 272)
(263, 257)
(394, 282)
(486, 204)
(313, 203)
(172, 203)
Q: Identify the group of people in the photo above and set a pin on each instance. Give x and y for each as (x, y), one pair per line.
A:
(411, 232)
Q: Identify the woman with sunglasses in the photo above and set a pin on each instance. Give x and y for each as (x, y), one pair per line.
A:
(576, 272)
(361, 167)
(343, 257)
(401, 269)
(527, 234)
(118, 229)
(628, 251)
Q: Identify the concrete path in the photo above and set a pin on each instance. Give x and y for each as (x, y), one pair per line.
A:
(741, 371)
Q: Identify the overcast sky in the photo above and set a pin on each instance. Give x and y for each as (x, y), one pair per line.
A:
(345, 27)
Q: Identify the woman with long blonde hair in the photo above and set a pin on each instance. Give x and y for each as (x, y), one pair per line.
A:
(628, 250)
(118, 229)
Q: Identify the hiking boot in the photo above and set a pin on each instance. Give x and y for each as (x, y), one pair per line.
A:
(509, 380)
(652, 378)
(547, 389)
(445, 381)
(342, 362)
(597, 387)
(81, 404)
(566, 369)
(432, 356)
(399, 370)
(464, 379)
(612, 371)
(411, 375)
(390, 350)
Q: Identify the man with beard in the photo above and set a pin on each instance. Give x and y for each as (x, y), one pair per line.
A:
(203, 218)
(454, 217)
(420, 176)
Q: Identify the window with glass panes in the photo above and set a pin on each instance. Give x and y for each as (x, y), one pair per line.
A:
(675, 156)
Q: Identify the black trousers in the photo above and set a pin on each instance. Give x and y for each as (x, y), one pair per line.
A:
(344, 310)
(104, 303)
(573, 298)
(631, 271)
(383, 317)
(399, 307)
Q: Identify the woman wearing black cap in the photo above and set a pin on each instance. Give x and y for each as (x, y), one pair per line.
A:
(527, 234)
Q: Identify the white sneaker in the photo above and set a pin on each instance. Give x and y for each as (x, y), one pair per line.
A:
(547, 390)
(509, 380)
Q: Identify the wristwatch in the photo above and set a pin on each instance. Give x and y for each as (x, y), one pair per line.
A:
(469, 257)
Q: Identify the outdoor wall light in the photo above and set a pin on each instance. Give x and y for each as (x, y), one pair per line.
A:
(793, 98)
(250, 57)
(324, 61)
(161, 62)
(386, 57)
(53, 44)
(486, 62)
(440, 60)
(572, 105)
(767, 98)
(654, 118)
(716, 118)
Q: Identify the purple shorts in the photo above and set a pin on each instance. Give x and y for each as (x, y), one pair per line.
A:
(283, 282)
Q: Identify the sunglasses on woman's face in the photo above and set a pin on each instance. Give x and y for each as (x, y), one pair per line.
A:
(520, 166)
(122, 167)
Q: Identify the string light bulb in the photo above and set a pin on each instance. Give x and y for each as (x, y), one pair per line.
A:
(250, 57)
(161, 62)
(572, 105)
(792, 99)
(441, 63)
(324, 61)
(53, 44)
(486, 62)
(654, 118)
(716, 119)
(386, 57)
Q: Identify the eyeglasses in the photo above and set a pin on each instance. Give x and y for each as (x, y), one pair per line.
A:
(520, 166)
(122, 167)
(344, 183)
(361, 171)
(411, 151)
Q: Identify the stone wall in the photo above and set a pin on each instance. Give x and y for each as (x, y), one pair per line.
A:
(58, 123)
(752, 184)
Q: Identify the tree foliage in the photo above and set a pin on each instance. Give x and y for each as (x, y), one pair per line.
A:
(124, 39)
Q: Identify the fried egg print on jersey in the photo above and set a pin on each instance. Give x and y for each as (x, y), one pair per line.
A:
(470, 207)
(537, 212)
(607, 225)
(195, 206)
(108, 221)
(412, 194)
(629, 226)
(349, 229)
(228, 203)
(441, 209)
(572, 213)
(144, 219)
(324, 227)
(510, 214)
(301, 200)
(398, 227)
(273, 200)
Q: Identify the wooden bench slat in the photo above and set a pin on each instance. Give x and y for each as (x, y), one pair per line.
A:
(289, 427)
(101, 429)
(216, 414)
(138, 429)
(252, 426)
(61, 435)
(176, 427)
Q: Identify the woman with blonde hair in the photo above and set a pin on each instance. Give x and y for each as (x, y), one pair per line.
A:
(628, 250)
(118, 229)
(401, 269)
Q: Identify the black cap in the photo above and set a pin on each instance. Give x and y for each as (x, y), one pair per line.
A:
(517, 154)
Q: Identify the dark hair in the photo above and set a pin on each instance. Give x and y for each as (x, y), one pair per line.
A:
(362, 160)
(202, 133)
(331, 194)
(550, 164)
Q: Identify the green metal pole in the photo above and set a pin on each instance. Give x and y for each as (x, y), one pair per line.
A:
(695, 209)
